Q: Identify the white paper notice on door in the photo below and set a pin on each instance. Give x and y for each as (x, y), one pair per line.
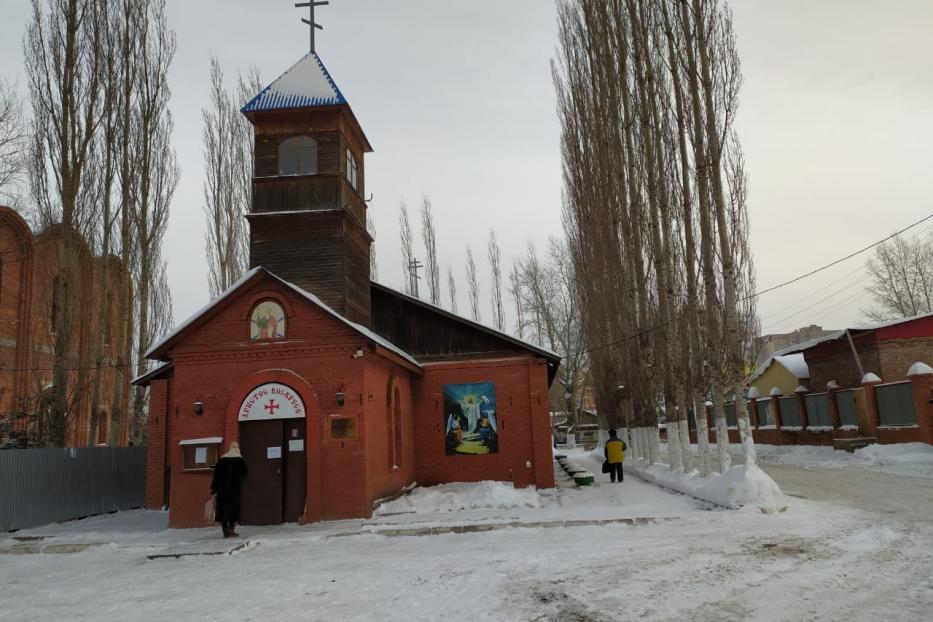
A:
(296, 444)
(200, 455)
(273, 452)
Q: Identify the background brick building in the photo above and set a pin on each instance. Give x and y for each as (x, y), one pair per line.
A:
(29, 267)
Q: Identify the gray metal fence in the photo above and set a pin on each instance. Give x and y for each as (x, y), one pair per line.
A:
(818, 411)
(764, 412)
(41, 486)
(896, 404)
(848, 412)
(790, 416)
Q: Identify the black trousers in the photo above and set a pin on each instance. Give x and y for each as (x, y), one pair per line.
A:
(615, 471)
(228, 527)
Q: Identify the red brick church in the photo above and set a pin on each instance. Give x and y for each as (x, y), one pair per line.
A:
(340, 391)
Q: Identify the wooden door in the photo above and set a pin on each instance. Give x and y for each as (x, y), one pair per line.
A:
(261, 446)
(296, 467)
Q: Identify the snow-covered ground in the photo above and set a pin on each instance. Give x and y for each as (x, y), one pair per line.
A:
(899, 459)
(814, 561)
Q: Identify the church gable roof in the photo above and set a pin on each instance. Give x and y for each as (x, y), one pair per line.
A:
(159, 351)
(305, 84)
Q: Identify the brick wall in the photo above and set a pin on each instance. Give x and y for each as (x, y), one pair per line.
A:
(524, 456)
(27, 272)
(897, 355)
(155, 451)
(217, 365)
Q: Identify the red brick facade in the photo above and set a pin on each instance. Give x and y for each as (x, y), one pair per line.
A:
(215, 364)
(29, 267)
(524, 456)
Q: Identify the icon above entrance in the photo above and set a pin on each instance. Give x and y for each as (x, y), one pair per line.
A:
(272, 401)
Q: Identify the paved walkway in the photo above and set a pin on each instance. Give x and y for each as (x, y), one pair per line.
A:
(904, 496)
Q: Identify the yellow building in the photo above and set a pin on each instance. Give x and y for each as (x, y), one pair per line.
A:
(786, 372)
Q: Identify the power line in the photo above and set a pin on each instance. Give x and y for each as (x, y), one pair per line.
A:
(770, 289)
(839, 261)
(862, 269)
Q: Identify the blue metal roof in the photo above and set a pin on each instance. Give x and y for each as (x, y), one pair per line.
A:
(307, 83)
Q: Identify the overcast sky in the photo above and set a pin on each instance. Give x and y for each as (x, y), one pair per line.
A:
(456, 98)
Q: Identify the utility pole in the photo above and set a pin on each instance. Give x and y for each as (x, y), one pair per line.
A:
(413, 267)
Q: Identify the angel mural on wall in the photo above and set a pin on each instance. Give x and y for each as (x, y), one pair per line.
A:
(470, 418)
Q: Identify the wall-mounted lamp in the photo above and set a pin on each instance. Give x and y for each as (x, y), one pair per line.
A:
(198, 408)
(358, 354)
(340, 396)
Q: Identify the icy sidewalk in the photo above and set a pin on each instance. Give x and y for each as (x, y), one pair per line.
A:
(451, 508)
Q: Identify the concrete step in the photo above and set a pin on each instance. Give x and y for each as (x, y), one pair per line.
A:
(851, 444)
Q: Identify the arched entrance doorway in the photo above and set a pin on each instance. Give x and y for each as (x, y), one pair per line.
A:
(272, 421)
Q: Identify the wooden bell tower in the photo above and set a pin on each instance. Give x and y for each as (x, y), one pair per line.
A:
(308, 216)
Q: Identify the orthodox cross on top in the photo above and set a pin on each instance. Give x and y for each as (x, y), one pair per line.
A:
(310, 22)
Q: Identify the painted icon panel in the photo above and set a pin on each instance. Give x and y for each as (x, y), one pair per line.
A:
(267, 321)
(470, 418)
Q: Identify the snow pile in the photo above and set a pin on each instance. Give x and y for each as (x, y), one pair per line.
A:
(740, 486)
(899, 454)
(456, 497)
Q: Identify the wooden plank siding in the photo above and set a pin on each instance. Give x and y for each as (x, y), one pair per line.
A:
(322, 246)
(318, 255)
(429, 334)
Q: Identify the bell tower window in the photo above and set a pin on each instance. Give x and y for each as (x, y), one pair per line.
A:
(298, 156)
(352, 170)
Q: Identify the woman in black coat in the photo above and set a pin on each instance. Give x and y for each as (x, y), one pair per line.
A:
(226, 486)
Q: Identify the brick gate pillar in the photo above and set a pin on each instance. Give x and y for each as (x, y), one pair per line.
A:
(921, 383)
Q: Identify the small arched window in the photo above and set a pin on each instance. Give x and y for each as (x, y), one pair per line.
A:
(298, 156)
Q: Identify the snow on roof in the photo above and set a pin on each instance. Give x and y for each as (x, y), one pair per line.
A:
(223, 296)
(795, 364)
(306, 83)
(211, 440)
(307, 295)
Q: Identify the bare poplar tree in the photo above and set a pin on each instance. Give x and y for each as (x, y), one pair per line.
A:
(157, 178)
(64, 56)
(495, 267)
(227, 183)
(13, 142)
(408, 250)
(373, 266)
(473, 285)
(515, 289)
(452, 289)
(655, 214)
(429, 236)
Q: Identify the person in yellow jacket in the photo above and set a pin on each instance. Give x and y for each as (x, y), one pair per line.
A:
(615, 454)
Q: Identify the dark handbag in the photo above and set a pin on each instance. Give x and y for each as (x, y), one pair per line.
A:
(605, 466)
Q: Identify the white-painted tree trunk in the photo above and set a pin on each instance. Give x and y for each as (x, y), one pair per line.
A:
(722, 430)
(683, 435)
(654, 444)
(745, 429)
(683, 431)
(703, 462)
(676, 460)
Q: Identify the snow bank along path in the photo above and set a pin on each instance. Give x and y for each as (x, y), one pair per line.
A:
(743, 485)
